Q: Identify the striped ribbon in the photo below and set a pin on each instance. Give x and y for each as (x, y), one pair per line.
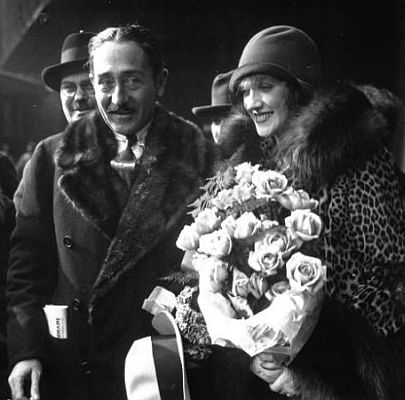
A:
(154, 369)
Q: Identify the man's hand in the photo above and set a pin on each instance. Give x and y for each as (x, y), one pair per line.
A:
(25, 371)
(278, 377)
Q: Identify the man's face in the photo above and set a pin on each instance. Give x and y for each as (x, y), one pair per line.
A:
(76, 95)
(125, 88)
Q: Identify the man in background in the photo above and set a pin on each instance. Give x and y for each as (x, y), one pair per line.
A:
(8, 185)
(218, 111)
(70, 77)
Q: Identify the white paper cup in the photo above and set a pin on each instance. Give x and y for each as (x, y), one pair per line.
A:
(56, 317)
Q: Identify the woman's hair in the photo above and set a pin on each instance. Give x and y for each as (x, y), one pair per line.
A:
(297, 96)
(130, 33)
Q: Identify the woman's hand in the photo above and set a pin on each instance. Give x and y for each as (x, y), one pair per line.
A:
(278, 377)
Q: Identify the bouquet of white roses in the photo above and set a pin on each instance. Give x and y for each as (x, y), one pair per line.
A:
(258, 291)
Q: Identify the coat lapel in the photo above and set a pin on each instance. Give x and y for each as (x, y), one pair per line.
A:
(166, 183)
(161, 193)
(86, 178)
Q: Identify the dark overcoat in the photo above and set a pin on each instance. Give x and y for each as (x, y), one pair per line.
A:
(84, 240)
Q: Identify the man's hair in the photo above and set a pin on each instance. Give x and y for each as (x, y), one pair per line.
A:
(130, 33)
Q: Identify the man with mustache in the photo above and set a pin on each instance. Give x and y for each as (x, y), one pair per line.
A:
(98, 213)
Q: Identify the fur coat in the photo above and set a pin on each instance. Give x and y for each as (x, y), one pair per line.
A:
(84, 240)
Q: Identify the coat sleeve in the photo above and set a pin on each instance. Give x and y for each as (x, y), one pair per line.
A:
(367, 244)
(33, 261)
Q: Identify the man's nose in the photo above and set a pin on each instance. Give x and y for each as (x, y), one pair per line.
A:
(81, 93)
(119, 94)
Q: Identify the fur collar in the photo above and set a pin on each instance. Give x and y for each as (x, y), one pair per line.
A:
(337, 131)
(166, 182)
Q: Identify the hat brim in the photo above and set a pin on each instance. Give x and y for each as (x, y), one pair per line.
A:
(52, 75)
(207, 111)
(262, 68)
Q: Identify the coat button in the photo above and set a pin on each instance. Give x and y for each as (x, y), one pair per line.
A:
(76, 304)
(85, 367)
(68, 242)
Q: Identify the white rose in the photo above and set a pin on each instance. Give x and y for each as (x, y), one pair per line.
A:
(246, 226)
(258, 285)
(245, 171)
(217, 243)
(296, 199)
(188, 239)
(305, 272)
(269, 183)
(306, 224)
(207, 220)
(223, 199)
(213, 274)
(281, 239)
(229, 225)
(242, 193)
(240, 283)
(265, 261)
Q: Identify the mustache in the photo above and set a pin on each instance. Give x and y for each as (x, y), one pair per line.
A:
(113, 108)
(83, 104)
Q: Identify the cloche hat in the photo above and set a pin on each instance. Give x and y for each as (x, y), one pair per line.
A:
(220, 101)
(73, 58)
(283, 51)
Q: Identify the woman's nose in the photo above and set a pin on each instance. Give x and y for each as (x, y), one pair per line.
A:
(252, 100)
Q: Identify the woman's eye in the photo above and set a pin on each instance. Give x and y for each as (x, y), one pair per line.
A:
(266, 86)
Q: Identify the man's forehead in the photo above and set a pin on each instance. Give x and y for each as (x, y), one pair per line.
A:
(119, 57)
(76, 77)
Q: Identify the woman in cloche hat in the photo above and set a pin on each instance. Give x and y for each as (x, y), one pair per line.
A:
(330, 144)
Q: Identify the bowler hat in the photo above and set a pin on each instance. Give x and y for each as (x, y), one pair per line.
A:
(73, 58)
(282, 51)
(220, 101)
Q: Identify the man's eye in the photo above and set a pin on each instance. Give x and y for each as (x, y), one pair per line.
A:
(132, 82)
(68, 88)
(106, 84)
(88, 87)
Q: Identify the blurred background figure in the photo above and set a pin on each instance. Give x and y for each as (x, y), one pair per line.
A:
(24, 158)
(220, 106)
(71, 77)
(5, 148)
(8, 175)
(8, 185)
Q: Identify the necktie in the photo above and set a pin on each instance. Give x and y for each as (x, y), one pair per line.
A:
(126, 160)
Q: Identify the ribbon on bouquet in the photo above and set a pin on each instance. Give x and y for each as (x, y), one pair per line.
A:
(154, 366)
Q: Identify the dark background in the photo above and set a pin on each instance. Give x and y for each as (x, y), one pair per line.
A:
(359, 40)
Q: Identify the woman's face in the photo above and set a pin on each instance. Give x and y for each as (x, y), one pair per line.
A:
(265, 99)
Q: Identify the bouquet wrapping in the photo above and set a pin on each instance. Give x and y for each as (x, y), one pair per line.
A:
(251, 244)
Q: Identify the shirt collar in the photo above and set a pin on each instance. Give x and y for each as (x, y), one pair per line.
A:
(141, 136)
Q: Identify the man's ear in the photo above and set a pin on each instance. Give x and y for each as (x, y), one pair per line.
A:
(161, 82)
